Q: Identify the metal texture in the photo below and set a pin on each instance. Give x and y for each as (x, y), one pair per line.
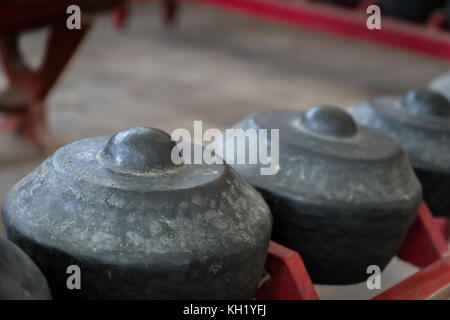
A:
(420, 122)
(344, 196)
(20, 278)
(138, 225)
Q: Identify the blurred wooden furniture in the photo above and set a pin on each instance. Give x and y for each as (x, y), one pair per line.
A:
(23, 99)
(431, 38)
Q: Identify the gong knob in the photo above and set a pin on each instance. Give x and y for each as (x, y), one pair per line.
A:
(426, 103)
(329, 121)
(138, 150)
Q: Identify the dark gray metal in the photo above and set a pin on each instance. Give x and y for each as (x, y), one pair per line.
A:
(139, 226)
(420, 122)
(20, 278)
(344, 196)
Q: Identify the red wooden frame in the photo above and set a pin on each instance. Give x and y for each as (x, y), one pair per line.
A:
(432, 282)
(289, 277)
(347, 22)
(424, 245)
(427, 39)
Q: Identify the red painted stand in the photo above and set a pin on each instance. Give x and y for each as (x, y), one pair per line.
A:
(424, 245)
(347, 22)
(289, 278)
(429, 39)
(432, 282)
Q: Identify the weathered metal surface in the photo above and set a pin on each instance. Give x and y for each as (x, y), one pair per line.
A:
(344, 195)
(20, 278)
(420, 122)
(138, 225)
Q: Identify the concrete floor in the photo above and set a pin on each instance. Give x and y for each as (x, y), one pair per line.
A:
(213, 66)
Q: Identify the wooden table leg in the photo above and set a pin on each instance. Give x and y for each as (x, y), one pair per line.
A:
(170, 11)
(120, 15)
(28, 88)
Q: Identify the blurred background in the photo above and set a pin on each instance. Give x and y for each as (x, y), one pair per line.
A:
(212, 65)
